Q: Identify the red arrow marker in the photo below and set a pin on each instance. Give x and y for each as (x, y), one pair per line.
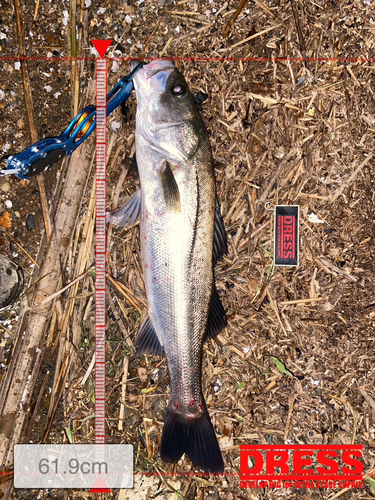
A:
(101, 46)
(100, 486)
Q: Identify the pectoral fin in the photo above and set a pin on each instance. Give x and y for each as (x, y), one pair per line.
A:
(169, 187)
(128, 215)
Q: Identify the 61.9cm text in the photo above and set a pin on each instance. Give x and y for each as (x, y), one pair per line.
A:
(52, 467)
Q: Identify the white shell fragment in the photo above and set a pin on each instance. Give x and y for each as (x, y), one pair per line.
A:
(315, 219)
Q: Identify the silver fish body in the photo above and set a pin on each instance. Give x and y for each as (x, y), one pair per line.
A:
(178, 219)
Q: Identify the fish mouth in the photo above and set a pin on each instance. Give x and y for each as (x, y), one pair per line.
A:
(153, 66)
(152, 76)
(157, 66)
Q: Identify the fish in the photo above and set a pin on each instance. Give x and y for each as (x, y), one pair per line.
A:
(182, 237)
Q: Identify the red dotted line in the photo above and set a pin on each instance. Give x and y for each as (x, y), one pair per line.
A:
(236, 474)
(197, 474)
(214, 59)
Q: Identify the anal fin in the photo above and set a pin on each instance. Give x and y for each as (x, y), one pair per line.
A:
(217, 319)
(147, 341)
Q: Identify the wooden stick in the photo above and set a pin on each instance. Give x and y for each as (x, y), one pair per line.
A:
(115, 199)
(32, 325)
(235, 15)
(123, 393)
(341, 492)
(191, 19)
(260, 33)
(56, 396)
(128, 294)
(274, 307)
(166, 46)
(36, 407)
(302, 301)
(30, 116)
(36, 10)
(145, 421)
(289, 417)
(73, 53)
(120, 323)
(350, 179)
(22, 249)
(266, 9)
(88, 371)
(62, 290)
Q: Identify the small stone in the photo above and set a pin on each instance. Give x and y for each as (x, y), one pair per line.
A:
(8, 204)
(142, 373)
(30, 223)
(115, 125)
(5, 220)
(17, 214)
(20, 123)
(7, 67)
(5, 187)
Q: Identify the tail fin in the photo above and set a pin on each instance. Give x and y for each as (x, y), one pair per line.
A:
(196, 438)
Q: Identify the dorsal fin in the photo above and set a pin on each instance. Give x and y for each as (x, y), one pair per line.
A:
(220, 236)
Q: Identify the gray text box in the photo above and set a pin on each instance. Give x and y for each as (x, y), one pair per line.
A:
(73, 466)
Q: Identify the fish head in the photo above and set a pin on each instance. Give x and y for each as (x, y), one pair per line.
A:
(167, 118)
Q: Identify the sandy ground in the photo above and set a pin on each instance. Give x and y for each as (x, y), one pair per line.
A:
(295, 131)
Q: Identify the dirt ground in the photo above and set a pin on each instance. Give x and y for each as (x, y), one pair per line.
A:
(294, 123)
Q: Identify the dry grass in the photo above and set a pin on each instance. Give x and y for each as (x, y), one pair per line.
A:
(282, 132)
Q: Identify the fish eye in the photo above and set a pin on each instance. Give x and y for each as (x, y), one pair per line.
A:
(178, 89)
